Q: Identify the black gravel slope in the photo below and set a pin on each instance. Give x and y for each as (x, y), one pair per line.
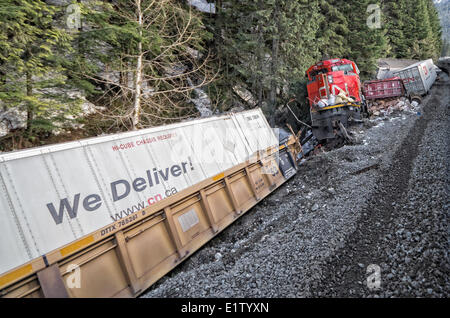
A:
(404, 228)
(383, 201)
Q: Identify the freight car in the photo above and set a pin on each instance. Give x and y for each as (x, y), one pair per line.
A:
(109, 216)
(387, 88)
(418, 78)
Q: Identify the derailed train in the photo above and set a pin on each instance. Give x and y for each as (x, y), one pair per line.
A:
(337, 98)
(93, 219)
(109, 216)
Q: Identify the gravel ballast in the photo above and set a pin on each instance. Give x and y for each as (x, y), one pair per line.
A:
(382, 202)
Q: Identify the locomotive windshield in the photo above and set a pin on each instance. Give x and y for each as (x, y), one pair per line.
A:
(313, 74)
(345, 68)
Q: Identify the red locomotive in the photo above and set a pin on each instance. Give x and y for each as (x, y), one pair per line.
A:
(334, 94)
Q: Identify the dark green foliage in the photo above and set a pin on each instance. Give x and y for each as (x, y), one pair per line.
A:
(268, 44)
(332, 36)
(396, 24)
(367, 39)
(33, 52)
(436, 28)
(413, 29)
(263, 46)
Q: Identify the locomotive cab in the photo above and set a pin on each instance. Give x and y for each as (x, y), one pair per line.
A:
(334, 94)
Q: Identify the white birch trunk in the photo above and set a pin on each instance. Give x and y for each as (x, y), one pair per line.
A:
(138, 77)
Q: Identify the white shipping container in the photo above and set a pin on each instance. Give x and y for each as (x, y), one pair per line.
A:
(419, 77)
(51, 196)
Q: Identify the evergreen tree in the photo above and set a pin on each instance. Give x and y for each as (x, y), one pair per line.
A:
(333, 33)
(367, 42)
(269, 44)
(419, 32)
(436, 28)
(396, 22)
(408, 18)
(32, 54)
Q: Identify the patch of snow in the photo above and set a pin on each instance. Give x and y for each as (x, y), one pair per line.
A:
(175, 70)
(245, 95)
(202, 101)
(194, 53)
(3, 129)
(203, 6)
